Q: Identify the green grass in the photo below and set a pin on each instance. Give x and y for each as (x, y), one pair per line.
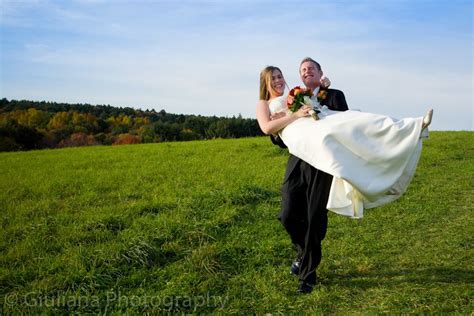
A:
(191, 227)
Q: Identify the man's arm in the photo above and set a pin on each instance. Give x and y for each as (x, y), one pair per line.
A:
(336, 100)
(276, 140)
(341, 103)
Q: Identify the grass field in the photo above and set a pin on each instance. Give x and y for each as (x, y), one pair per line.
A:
(191, 227)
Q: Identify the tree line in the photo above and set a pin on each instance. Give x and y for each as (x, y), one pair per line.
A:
(26, 125)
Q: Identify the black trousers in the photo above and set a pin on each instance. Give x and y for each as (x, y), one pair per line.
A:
(305, 193)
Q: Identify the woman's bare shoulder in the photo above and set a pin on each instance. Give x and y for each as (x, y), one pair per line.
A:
(263, 104)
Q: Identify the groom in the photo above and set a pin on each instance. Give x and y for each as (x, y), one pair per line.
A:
(305, 191)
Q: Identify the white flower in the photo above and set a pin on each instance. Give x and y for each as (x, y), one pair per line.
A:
(307, 100)
(315, 101)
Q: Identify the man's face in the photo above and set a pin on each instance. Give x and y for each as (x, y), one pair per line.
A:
(310, 74)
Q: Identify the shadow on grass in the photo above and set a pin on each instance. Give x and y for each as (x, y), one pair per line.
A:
(435, 275)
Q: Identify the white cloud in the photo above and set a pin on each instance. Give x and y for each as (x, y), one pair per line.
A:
(206, 58)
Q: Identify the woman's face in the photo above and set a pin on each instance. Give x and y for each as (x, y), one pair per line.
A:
(277, 83)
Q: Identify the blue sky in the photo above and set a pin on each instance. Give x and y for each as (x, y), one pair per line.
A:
(204, 57)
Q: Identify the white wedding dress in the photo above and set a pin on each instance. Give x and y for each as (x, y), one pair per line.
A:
(372, 157)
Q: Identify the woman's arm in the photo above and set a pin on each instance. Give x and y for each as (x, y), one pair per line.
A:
(269, 126)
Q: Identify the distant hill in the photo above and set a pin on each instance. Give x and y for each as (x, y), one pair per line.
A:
(26, 125)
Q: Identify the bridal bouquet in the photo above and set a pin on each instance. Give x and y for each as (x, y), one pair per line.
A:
(298, 97)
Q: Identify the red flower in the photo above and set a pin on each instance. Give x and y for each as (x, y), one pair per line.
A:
(296, 97)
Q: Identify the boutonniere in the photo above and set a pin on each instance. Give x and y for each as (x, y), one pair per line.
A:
(322, 95)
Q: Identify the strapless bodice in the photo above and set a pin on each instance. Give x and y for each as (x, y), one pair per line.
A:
(278, 104)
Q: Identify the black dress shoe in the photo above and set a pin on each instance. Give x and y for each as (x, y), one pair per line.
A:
(295, 267)
(305, 288)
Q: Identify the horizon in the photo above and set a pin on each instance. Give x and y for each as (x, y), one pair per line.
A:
(122, 107)
(173, 113)
(204, 57)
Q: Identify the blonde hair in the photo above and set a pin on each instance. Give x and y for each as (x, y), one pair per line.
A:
(266, 89)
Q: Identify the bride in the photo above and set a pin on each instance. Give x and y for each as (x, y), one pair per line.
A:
(371, 157)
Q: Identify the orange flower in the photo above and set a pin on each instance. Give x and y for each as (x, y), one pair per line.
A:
(322, 94)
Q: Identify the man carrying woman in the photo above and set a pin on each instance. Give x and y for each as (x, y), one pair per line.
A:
(329, 157)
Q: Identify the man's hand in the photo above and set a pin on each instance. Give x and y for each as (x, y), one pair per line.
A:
(325, 82)
(277, 115)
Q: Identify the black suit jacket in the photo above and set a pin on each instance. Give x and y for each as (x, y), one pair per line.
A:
(336, 101)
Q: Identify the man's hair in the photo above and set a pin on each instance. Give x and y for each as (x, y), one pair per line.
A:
(311, 60)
